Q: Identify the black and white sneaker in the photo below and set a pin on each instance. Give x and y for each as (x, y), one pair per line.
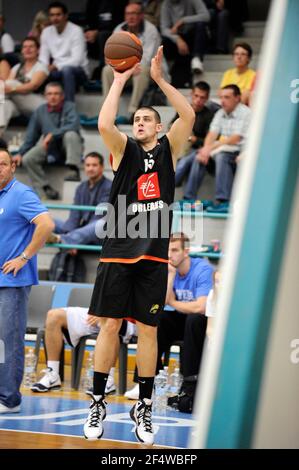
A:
(93, 427)
(141, 414)
(49, 381)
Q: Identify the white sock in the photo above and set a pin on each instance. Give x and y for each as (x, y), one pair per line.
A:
(54, 366)
(111, 372)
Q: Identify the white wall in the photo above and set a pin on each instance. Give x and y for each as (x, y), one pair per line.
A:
(277, 424)
(19, 14)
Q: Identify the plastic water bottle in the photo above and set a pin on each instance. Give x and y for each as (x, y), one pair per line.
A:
(167, 389)
(175, 382)
(160, 402)
(166, 372)
(89, 369)
(30, 369)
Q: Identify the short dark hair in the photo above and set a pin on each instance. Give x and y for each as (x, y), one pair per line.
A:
(180, 237)
(3, 145)
(54, 84)
(153, 110)
(204, 86)
(32, 39)
(60, 5)
(95, 155)
(245, 46)
(235, 88)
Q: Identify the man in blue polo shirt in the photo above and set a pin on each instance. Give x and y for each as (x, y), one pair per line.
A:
(24, 227)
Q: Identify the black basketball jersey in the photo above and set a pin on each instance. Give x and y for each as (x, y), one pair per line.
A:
(139, 218)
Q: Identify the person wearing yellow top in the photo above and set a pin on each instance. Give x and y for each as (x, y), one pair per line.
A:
(241, 75)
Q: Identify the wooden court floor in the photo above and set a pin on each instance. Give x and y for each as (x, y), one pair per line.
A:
(20, 439)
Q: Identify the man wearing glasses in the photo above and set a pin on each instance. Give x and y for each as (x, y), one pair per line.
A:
(241, 75)
(150, 38)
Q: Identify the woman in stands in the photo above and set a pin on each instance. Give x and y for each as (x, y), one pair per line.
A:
(24, 80)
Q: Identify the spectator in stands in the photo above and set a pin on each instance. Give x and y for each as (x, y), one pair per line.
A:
(101, 18)
(219, 26)
(189, 282)
(71, 324)
(85, 227)
(40, 22)
(149, 35)
(183, 29)
(57, 122)
(24, 80)
(238, 13)
(8, 58)
(63, 50)
(25, 225)
(188, 166)
(241, 75)
(152, 11)
(224, 141)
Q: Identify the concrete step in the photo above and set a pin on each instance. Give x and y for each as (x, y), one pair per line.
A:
(90, 103)
(222, 62)
(254, 29)
(213, 79)
(55, 175)
(91, 259)
(94, 142)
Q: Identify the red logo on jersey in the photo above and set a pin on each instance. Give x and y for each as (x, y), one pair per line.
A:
(148, 186)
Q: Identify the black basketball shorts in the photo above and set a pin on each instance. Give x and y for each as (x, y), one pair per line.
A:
(135, 290)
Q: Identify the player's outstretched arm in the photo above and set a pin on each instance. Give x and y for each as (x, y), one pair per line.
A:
(112, 137)
(182, 127)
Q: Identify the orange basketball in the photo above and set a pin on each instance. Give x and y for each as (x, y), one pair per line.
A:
(123, 50)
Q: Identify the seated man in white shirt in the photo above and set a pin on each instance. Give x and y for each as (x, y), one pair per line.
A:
(224, 142)
(63, 50)
(71, 324)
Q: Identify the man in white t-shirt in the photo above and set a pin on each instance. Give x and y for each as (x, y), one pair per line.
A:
(63, 50)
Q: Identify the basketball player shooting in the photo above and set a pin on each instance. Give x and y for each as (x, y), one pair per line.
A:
(132, 274)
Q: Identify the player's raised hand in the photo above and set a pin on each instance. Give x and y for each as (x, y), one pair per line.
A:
(156, 65)
(127, 74)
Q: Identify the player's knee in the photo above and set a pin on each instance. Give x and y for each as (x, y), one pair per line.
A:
(55, 316)
(112, 326)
